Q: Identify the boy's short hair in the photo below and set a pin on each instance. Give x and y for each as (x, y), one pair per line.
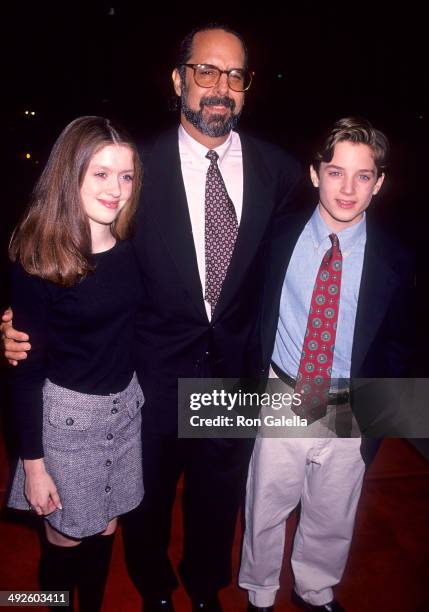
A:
(359, 131)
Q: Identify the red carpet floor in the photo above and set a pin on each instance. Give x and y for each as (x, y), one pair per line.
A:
(388, 564)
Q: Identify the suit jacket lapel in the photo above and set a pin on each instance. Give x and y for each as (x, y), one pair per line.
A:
(281, 248)
(170, 208)
(377, 286)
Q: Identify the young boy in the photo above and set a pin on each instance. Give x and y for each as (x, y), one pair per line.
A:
(339, 294)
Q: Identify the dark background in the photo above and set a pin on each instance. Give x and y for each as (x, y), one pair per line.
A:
(314, 63)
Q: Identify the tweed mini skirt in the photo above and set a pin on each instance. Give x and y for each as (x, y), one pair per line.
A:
(92, 451)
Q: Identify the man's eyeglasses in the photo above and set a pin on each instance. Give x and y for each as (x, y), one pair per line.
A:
(206, 75)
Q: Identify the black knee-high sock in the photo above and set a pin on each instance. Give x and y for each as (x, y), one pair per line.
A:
(94, 568)
(58, 569)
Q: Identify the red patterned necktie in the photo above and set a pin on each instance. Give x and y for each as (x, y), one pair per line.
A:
(315, 368)
(221, 230)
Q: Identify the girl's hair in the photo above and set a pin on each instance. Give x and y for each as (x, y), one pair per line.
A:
(53, 239)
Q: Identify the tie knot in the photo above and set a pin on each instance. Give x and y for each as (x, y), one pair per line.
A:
(212, 156)
(334, 240)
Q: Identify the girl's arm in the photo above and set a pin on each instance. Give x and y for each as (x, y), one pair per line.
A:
(31, 302)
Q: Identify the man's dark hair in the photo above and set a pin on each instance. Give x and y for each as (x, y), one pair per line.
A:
(185, 49)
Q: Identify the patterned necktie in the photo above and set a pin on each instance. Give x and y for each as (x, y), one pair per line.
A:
(315, 368)
(221, 230)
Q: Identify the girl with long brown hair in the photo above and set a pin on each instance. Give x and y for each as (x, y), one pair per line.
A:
(76, 289)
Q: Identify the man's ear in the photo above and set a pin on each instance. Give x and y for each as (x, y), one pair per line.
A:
(378, 184)
(177, 82)
(314, 177)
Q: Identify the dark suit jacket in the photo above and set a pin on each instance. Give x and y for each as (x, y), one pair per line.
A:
(384, 337)
(175, 337)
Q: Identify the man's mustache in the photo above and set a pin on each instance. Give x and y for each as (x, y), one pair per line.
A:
(217, 101)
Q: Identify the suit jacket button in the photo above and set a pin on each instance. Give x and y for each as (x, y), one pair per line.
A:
(114, 410)
(108, 489)
(116, 401)
(109, 436)
(108, 463)
(69, 421)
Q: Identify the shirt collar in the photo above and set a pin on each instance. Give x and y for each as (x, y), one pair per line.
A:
(348, 237)
(197, 151)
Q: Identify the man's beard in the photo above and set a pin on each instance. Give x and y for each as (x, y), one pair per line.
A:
(213, 125)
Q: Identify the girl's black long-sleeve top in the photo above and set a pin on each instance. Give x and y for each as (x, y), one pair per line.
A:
(81, 336)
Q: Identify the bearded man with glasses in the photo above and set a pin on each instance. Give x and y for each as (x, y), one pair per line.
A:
(216, 123)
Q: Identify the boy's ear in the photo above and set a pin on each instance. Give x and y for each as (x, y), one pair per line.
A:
(378, 184)
(314, 177)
